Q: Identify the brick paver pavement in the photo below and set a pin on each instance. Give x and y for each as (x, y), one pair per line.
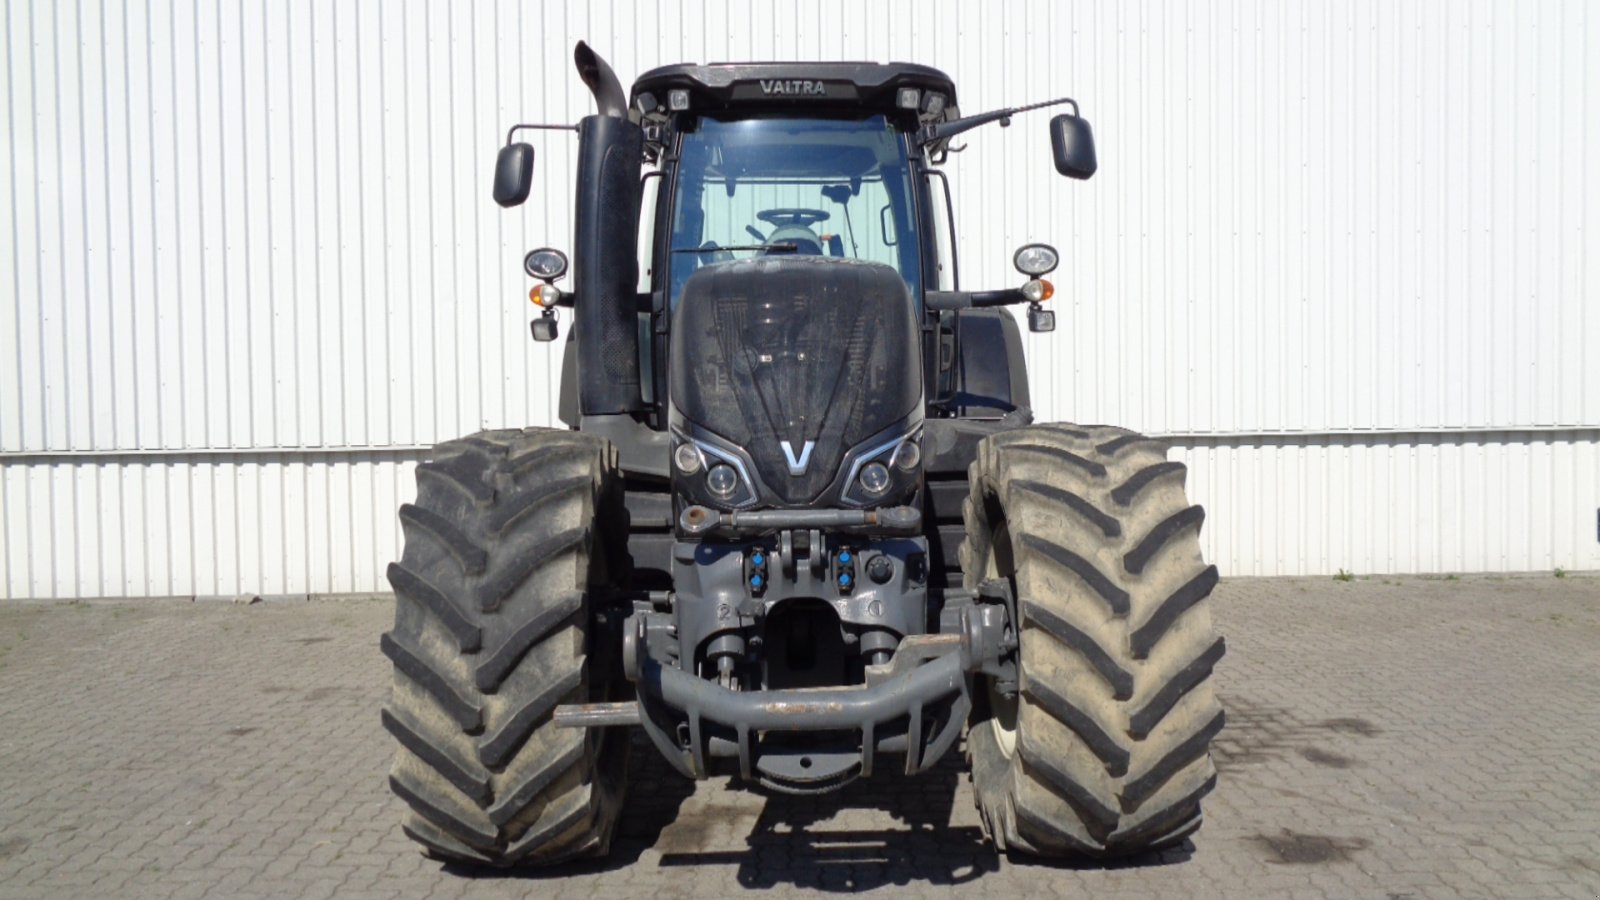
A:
(1386, 738)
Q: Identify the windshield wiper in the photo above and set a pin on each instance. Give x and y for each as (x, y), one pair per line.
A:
(783, 247)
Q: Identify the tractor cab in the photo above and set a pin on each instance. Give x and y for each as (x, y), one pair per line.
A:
(818, 159)
(775, 162)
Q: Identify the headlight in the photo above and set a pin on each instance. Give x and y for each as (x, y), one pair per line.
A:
(1034, 260)
(688, 459)
(707, 473)
(885, 472)
(546, 263)
(875, 478)
(722, 480)
(907, 456)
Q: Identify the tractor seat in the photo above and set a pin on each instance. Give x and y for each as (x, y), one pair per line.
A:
(805, 240)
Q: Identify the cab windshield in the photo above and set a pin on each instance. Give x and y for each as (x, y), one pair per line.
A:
(774, 186)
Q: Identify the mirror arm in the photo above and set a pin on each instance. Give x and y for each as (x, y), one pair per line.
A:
(1004, 297)
(512, 133)
(943, 130)
(949, 301)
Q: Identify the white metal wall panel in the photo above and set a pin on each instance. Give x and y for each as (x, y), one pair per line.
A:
(318, 523)
(252, 265)
(1393, 504)
(228, 525)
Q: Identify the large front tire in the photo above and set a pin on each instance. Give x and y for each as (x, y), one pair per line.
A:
(504, 550)
(1104, 750)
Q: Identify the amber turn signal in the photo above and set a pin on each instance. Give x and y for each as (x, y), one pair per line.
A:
(1038, 290)
(544, 295)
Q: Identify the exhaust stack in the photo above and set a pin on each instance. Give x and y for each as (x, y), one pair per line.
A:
(602, 82)
(605, 261)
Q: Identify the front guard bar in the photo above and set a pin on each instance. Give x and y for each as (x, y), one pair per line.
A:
(690, 718)
(925, 673)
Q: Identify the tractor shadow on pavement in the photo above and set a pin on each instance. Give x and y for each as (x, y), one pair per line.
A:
(830, 842)
(833, 842)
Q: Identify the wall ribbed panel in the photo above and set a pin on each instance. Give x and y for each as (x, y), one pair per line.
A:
(226, 525)
(1342, 253)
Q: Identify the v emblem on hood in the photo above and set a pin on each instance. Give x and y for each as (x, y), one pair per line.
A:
(797, 464)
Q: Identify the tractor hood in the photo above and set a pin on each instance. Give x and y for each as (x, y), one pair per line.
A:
(800, 368)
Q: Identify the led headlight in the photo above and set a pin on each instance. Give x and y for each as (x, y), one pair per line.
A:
(722, 480)
(884, 471)
(1034, 260)
(688, 459)
(547, 263)
(875, 478)
(907, 456)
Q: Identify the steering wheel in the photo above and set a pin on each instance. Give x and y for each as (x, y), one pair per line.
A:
(793, 216)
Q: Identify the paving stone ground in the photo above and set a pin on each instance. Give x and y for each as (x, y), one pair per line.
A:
(1394, 737)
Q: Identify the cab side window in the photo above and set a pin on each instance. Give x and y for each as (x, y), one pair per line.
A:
(943, 241)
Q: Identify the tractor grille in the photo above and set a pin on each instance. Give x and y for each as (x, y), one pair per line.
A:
(796, 351)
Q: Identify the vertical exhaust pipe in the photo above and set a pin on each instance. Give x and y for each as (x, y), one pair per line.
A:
(605, 261)
(602, 82)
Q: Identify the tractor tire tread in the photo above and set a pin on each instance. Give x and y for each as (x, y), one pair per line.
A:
(510, 538)
(1116, 710)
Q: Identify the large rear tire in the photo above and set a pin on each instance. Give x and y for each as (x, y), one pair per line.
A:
(1104, 751)
(504, 550)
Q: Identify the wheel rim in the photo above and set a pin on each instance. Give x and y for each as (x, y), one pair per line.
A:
(1002, 709)
(1003, 720)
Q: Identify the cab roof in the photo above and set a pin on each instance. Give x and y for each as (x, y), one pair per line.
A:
(732, 86)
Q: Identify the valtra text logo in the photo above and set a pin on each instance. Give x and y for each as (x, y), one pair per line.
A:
(792, 86)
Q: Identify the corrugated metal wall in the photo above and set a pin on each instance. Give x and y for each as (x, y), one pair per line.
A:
(1342, 252)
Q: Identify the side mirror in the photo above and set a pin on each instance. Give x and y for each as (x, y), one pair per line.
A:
(513, 174)
(1073, 145)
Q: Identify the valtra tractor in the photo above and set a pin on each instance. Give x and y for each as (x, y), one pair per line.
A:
(801, 526)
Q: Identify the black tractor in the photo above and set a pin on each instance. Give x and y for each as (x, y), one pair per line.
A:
(801, 526)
